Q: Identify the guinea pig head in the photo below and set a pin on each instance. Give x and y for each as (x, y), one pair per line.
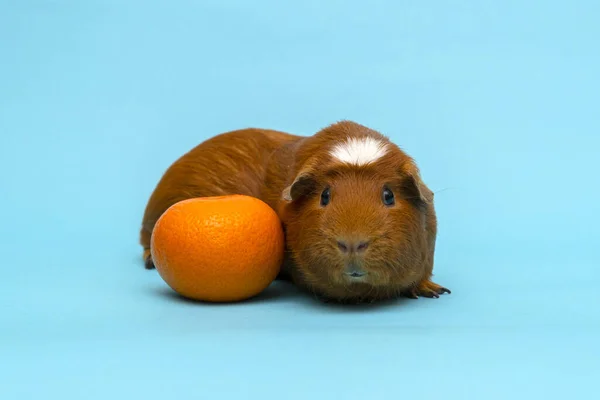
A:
(358, 229)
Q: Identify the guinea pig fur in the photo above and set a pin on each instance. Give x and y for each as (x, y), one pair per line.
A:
(359, 221)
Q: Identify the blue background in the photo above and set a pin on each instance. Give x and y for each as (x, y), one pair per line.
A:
(497, 100)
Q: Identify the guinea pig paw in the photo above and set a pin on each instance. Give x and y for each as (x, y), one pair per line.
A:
(427, 288)
(149, 264)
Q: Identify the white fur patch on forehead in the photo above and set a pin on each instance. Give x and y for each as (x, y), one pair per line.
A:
(359, 150)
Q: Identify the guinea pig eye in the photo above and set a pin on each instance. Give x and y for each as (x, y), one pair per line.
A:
(388, 197)
(325, 197)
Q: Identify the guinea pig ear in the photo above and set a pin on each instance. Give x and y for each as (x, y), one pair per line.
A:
(414, 186)
(302, 185)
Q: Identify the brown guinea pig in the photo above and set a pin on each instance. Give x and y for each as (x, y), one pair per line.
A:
(360, 224)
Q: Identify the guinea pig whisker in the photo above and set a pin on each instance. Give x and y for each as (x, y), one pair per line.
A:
(443, 190)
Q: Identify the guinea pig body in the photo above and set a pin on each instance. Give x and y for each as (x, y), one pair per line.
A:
(360, 224)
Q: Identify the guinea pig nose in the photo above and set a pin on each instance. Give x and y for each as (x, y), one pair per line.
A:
(362, 246)
(342, 246)
(351, 246)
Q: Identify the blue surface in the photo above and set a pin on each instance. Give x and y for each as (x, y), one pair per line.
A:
(497, 100)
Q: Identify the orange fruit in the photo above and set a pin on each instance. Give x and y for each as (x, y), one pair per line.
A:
(218, 249)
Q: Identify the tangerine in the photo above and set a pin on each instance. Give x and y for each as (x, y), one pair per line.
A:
(218, 249)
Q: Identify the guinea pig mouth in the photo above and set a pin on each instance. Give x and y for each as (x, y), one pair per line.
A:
(355, 273)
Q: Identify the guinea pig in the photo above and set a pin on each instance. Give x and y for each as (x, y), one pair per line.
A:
(359, 222)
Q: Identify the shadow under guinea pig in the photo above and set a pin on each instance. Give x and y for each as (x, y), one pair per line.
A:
(344, 307)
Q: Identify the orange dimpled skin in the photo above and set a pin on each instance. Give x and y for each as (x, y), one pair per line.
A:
(218, 249)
